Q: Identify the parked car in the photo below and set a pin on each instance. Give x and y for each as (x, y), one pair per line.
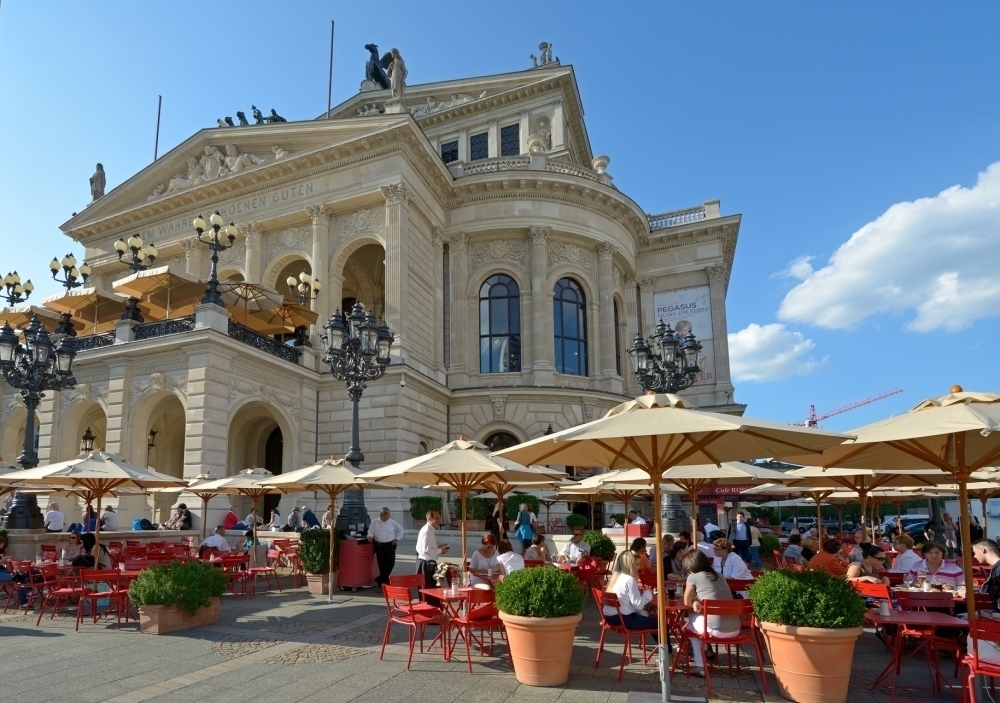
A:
(801, 523)
(913, 525)
(833, 526)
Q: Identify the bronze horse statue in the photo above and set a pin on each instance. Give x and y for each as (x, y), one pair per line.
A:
(376, 67)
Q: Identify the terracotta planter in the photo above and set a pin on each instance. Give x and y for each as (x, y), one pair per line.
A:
(318, 584)
(417, 524)
(811, 664)
(541, 647)
(160, 620)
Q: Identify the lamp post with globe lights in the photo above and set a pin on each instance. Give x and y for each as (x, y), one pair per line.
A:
(73, 277)
(304, 288)
(17, 292)
(36, 366)
(208, 233)
(666, 364)
(143, 255)
(357, 351)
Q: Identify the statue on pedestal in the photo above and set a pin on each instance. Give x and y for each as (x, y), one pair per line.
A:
(375, 68)
(397, 75)
(97, 183)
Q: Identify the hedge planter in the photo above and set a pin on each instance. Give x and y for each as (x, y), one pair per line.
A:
(541, 648)
(318, 584)
(811, 664)
(161, 620)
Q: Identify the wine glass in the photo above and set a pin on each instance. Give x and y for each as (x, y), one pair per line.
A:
(908, 580)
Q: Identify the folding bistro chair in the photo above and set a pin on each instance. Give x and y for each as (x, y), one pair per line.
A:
(603, 599)
(400, 607)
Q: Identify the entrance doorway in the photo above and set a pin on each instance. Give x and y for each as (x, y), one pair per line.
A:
(272, 462)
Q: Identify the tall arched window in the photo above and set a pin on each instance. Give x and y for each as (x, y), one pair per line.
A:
(570, 320)
(501, 440)
(499, 325)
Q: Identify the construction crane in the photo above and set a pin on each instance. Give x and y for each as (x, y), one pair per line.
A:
(815, 419)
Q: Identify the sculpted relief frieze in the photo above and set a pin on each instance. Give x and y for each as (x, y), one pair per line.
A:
(236, 254)
(157, 381)
(361, 221)
(497, 250)
(96, 392)
(211, 164)
(240, 388)
(295, 238)
(570, 253)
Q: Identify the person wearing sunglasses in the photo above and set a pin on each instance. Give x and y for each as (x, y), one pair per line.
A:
(575, 548)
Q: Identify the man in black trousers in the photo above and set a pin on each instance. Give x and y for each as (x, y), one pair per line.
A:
(384, 535)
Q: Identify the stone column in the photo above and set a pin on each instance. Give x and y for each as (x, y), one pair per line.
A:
(458, 257)
(630, 323)
(646, 305)
(493, 139)
(116, 438)
(253, 264)
(397, 206)
(717, 278)
(437, 239)
(606, 318)
(558, 140)
(541, 325)
(334, 292)
(522, 131)
(193, 257)
(320, 258)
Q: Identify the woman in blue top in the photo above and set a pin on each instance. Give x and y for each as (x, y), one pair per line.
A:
(524, 531)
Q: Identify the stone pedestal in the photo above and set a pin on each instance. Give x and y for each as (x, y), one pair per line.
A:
(394, 106)
(213, 317)
(125, 331)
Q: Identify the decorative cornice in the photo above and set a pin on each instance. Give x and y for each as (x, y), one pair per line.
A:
(396, 194)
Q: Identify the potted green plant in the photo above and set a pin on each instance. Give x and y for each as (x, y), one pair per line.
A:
(601, 546)
(620, 518)
(576, 520)
(477, 511)
(419, 507)
(178, 596)
(540, 609)
(811, 621)
(314, 555)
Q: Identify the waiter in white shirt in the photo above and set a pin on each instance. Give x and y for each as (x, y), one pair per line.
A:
(635, 518)
(428, 550)
(384, 534)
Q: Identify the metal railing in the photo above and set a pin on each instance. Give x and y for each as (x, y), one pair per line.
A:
(162, 328)
(263, 342)
(675, 218)
(94, 341)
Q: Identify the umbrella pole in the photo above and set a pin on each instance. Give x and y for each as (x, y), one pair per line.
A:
(204, 516)
(982, 499)
(253, 547)
(661, 620)
(840, 512)
(865, 527)
(970, 586)
(333, 502)
(462, 493)
(694, 515)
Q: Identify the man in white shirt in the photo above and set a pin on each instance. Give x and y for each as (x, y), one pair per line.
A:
(575, 548)
(110, 521)
(428, 550)
(710, 528)
(216, 541)
(54, 518)
(635, 518)
(384, 534)
(907, 559)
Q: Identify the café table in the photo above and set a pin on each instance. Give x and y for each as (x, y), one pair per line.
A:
(913, 619)
(451, 607)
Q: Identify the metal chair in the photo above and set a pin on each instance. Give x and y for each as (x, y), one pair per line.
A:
(603, 599)
(400, 608)
(482, 618)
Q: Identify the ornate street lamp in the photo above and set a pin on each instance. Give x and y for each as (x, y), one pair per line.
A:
(208, 233)
(87, 441)
(666, 364)
(33, 367)
(305, 288)
(142, 256)
(17, 292)
(71, 273)
(357, 351)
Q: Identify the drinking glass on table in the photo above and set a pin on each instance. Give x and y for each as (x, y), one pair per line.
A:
(908, 580)
(921, 577)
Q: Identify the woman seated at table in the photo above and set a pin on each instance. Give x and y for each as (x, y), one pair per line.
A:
(673, 566)
(727, 563)
(936, 569)
(510, 561)
(809, 549)
(632, 602)
(638, 547)
(857, 552)
(869, 569)
(906, 558)
(704, 583)
(73, 549)
(89, 543)
(794, 549)
(538, 551)
(483, 560)
(830, 558)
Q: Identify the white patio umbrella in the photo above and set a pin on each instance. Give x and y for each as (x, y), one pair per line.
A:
(250, 483)
(657, 432)
(464, 465)
(98, 473)
(96, 307)
(332, 476)
(163, 291)
(249, 297)
(958, 433)
(20, 316)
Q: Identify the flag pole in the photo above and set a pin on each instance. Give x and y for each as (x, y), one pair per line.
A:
(329, 83)
(156, 144)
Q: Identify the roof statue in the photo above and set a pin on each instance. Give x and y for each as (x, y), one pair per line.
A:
(258, 117)
(546, 56)
(243, 119)
(275, 117)
(397, 75)
(97, 183)
(376, 67)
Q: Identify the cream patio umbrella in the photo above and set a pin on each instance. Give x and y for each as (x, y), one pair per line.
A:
(463, 465)
(657, 432)
(163, 291)
(958, 433)
(244, 297)
(5, 475)
(97, 473)
(287, 316)
(20, 316)
(332, 476)
(249, 483)
(95, 307)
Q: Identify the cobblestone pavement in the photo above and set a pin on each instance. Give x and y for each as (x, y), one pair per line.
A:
(291, 646)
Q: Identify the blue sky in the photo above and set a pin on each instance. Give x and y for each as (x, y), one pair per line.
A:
(832, 129)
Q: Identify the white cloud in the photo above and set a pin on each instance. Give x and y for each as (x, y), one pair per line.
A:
(801, 268)
(770, 353)
(937, 256)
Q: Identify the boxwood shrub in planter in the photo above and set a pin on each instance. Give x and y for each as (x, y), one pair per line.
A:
(601, 546)
(512, 502)
(420, 505)
(178, 596)
(576, 520)
(540, 608)
(314, 553)
(811, 621)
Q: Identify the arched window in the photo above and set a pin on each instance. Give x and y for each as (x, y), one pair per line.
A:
(499, 325)
(570, 320)
(501, 440)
